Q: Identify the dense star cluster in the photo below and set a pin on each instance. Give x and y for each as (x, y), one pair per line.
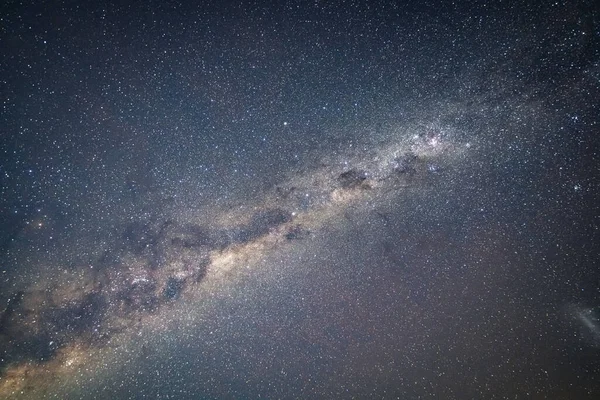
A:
(300, 200)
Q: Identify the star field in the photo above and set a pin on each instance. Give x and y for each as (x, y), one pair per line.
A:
(299, 200)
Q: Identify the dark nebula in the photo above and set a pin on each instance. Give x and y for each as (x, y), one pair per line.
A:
(352, 179)
(173, 288)
(406, 164)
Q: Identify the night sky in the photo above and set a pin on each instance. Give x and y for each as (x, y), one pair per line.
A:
(300, 199)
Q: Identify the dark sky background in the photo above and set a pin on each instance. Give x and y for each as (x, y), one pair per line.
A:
(409, 194)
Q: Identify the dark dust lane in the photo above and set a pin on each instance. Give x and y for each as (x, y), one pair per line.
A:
(153, 265)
